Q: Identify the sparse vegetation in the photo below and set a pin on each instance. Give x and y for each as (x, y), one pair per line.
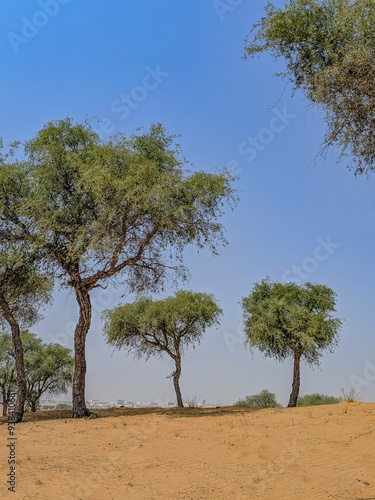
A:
(195, 402)
(349, 396)
(317, 399)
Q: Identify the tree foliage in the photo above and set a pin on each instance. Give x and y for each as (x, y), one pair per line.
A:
(148, 327)
(283, 320)
(264, 399)
(25, 283)
(100, 207)
(329, 49)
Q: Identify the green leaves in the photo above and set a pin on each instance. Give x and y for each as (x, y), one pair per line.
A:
(48, 367)
(24, 284)
(148, 327)
(283, 319)
(329, 50)
(99, 208)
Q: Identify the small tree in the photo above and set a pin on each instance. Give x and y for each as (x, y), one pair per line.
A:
(24, 288)
(283, 320)
(264, 399)
(49, 370)
(103, 209)
(148, 327)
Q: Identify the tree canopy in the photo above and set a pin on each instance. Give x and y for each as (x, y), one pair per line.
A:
(283, 320)
(148, 327)
(25, 284)
(329, 49)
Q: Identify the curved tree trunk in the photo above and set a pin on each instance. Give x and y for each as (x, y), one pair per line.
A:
(83, 325)
(5, 401)
(176, 379)
(296, 380)
(18, 352)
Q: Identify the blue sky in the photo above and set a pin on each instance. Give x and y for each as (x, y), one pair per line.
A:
(179, 62)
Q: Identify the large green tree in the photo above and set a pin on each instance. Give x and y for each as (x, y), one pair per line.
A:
(126, 206)
(24, 288)
(148, 327)
(283, 320)
(329, 49)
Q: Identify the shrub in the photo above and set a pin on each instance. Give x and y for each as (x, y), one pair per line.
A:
(317, 399)
(349, 396)
(195, 402)
(264, 399)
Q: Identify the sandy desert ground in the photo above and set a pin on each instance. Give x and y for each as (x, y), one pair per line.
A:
(297, 453)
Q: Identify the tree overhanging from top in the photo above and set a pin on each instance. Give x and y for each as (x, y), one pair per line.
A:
(329, 49)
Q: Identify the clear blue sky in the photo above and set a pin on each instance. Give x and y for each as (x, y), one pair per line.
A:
(179, 62)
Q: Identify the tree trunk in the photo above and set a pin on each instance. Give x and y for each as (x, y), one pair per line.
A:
(83, 325)
(18, 352)
(176, 378)
(33, 405)
(5, 401)
(296, 380)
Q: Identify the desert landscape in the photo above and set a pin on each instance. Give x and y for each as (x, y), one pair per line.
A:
(187, 215)
(234, 452)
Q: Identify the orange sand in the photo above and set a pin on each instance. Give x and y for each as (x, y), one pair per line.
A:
(295, 454)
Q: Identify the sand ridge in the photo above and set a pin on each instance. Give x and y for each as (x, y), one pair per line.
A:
(291, 453)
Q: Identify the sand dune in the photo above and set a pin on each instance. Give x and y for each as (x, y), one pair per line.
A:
(297, 453)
